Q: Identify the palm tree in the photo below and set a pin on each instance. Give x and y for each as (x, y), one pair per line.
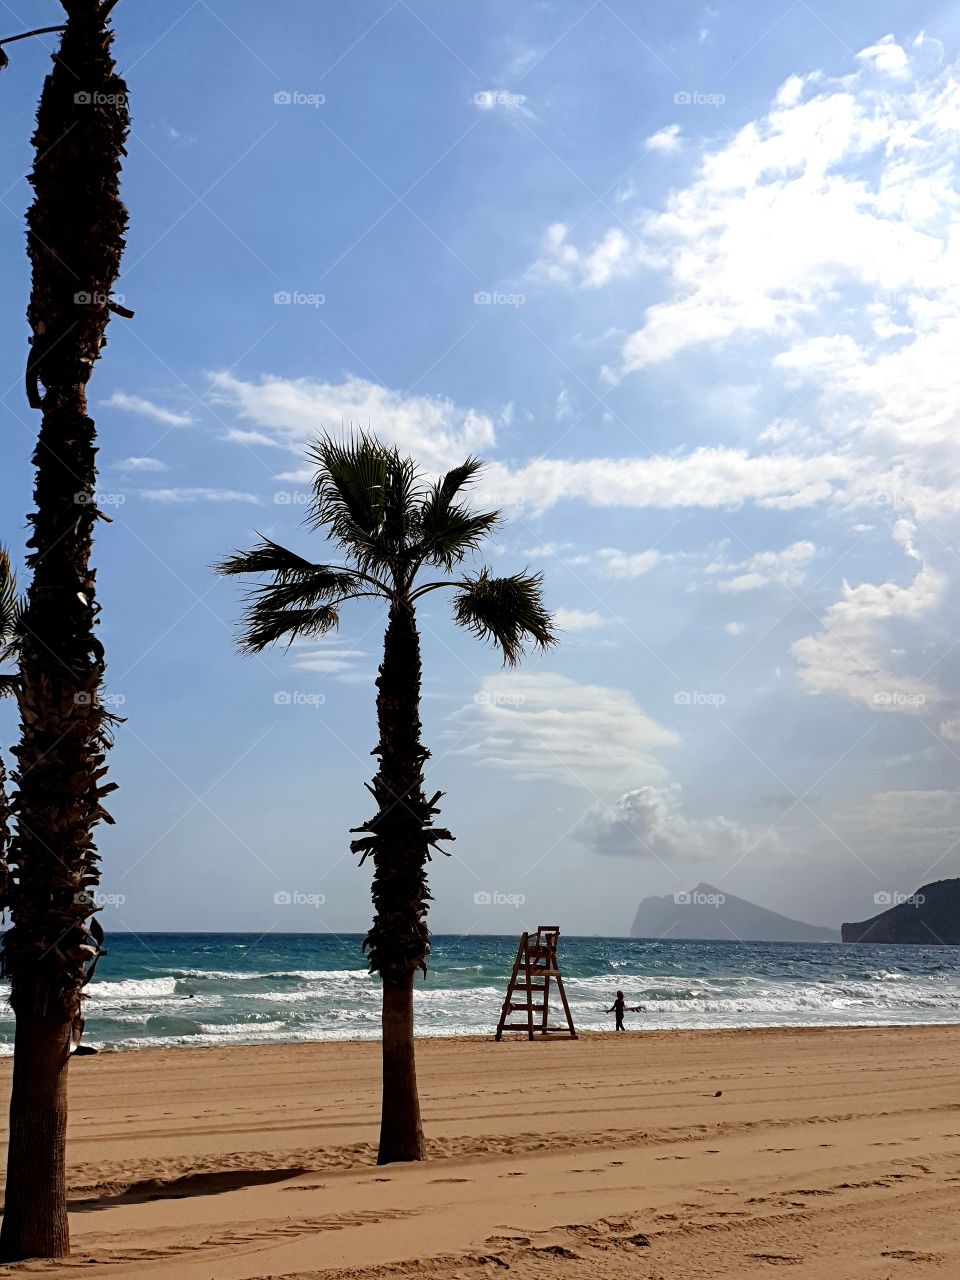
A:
(10, 615)
(75, 238)
(390, 525)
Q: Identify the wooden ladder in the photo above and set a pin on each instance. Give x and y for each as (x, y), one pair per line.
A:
(535, 967)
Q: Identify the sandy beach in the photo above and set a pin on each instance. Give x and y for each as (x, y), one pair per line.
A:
(681, 1155)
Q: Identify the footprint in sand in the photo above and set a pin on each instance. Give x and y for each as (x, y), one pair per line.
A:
(912, 1255)
(451, 1179)
(776, 1259)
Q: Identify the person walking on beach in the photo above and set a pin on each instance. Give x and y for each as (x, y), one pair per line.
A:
(619, 1008)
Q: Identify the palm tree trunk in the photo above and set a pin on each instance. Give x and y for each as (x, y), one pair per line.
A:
(401, 1133)
(75, 240)
(4, 833)
(399, 941)
(35, 1212)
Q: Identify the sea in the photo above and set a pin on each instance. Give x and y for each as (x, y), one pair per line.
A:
(172, 990)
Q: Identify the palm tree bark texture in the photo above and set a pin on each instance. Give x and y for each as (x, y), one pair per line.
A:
(75, 240)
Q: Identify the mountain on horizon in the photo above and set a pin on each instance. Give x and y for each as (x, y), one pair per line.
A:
(709, 913)
(930, 917)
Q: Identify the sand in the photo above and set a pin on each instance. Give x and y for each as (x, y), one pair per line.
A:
(819, 1153)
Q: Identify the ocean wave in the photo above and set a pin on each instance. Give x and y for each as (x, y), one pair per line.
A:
(275, 975)
(133, 989)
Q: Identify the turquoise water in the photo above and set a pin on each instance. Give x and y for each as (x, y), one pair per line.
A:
(165, 989)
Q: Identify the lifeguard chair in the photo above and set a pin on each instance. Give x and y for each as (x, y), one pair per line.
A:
(535, 967)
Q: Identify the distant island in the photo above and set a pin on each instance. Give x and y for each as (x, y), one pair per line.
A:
(709, 913)
(930, 917)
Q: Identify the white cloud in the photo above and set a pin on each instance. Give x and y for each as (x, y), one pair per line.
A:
(578, 620)
(887, 56)
(851, 183)
(564, 409)
(852, 654)
(140, 464)
(790, 92)
(546, 726)
(612, 257)
(648, 822)
(622, 564)
(786, 568)
(667, 139)
(331, 657)
(887, 824)
(706, 477)
(733, 628)
(439, 433)
(522, 58)
(198, 494)
(292, 411)
(147, 409)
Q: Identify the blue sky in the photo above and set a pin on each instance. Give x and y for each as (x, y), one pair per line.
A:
(687, 276)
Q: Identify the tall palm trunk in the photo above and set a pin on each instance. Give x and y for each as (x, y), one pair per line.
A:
(75, 241)
(4, 830)
(399, 941)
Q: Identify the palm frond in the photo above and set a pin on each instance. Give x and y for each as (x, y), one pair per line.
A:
(449, 530)
(507, 611)
(348, 489)
(324, 585)
(301, 599)
(264, 627)
(266, 557)
(458, 478)
(9, 602)
(401, 507)
(12, 611)
(304, 606)
(364, 496)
